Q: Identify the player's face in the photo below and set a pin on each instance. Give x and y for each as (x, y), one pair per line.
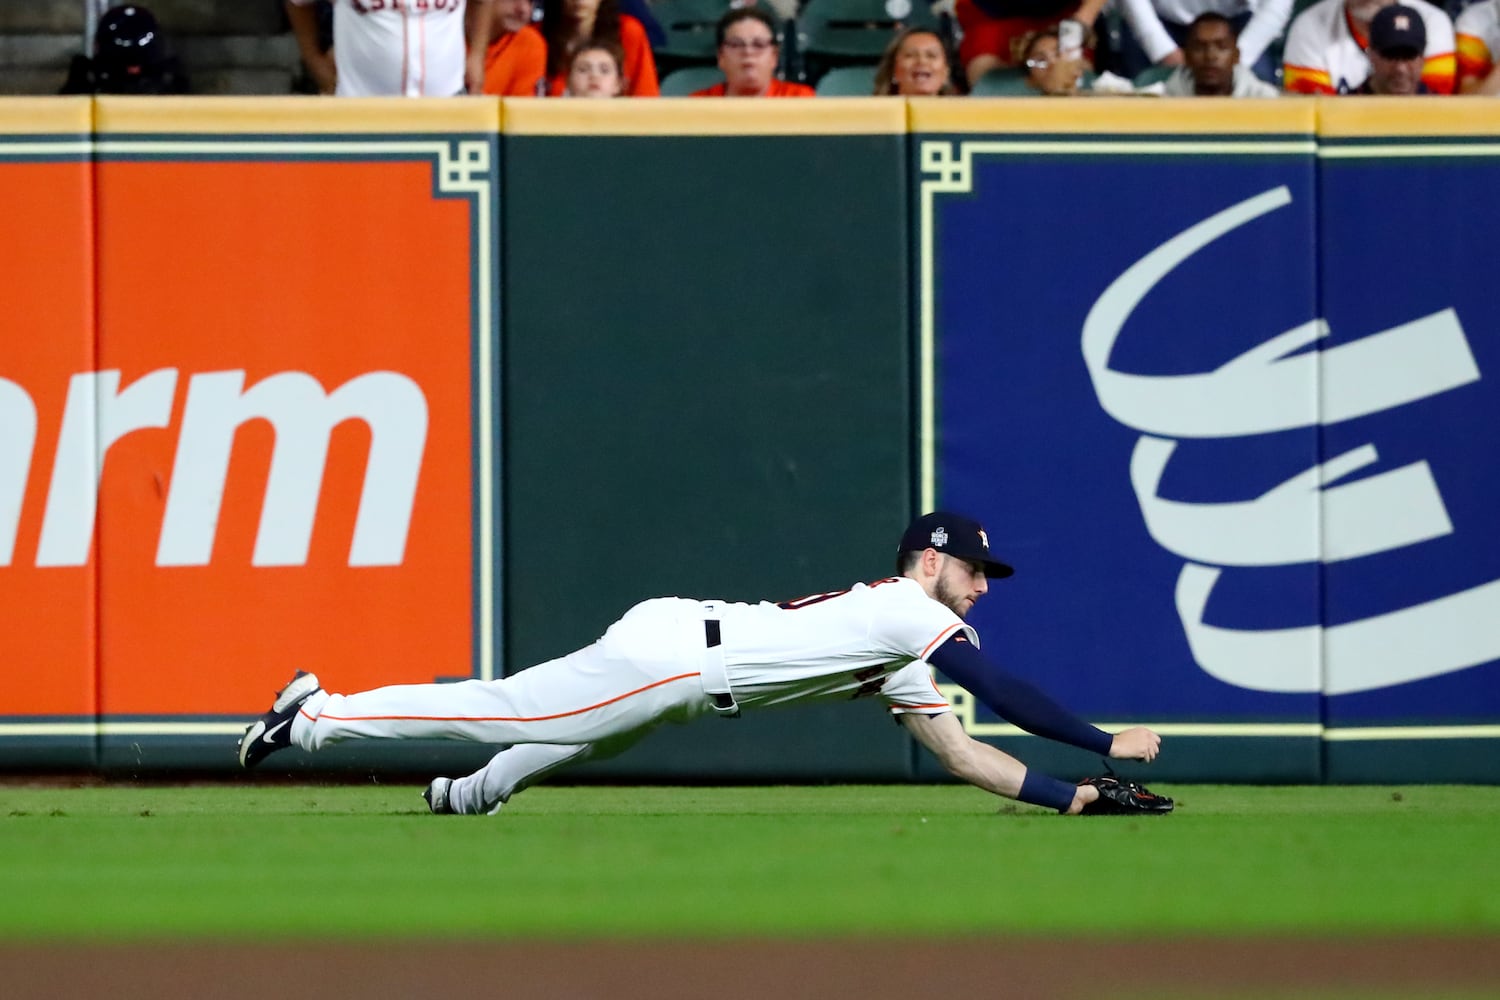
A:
(748, 57)
(959, 584)
(921, 66)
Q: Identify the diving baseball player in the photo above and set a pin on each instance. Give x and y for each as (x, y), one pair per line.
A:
(672, 660)
(396, 48)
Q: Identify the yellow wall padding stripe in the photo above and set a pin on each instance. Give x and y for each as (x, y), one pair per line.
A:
(1111, 115)
(1389, 117)
(707, 116)
(46, 116)
(297, 115)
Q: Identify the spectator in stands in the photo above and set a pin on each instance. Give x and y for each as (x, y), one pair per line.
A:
(516, 62)
(1214, 67)
(995, 32)
(130, 57)
(597, 70)
(1157, 30)
(569, 24)
(1048, 71)
(748, 53)
(1325, 48)
(395, 51)
(1397, 40)
(915, 64)
(1478, 41)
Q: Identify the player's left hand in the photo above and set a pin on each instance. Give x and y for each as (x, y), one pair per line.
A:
(1138, 743)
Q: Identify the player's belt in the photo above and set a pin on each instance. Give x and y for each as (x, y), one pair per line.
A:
(715, 678)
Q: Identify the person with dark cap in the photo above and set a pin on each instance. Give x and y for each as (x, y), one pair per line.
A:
(1398, 39)
(131, 56)
(1327, 48)
(673, 660)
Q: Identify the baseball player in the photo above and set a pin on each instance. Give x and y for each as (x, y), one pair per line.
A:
(396, 48)
(672, 660)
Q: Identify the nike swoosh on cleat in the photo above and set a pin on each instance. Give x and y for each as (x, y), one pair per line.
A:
(269, 733)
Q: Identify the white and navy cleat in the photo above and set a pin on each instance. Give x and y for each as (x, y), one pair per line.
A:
(273, 731)
(436, 795)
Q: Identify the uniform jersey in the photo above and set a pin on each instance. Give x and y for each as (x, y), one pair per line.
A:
(398, 48)
(1324, 54)
(1478, 30)
(869, 640)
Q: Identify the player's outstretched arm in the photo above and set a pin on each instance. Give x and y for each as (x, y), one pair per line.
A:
(1137, 743)
(1015, 700)
(991, 769)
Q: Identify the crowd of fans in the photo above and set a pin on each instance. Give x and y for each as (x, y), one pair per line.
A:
(607, 48)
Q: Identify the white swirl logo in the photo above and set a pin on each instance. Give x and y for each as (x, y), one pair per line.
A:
(1319, 515)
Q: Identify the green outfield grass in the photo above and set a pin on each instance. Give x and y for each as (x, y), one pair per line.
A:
(355, 861)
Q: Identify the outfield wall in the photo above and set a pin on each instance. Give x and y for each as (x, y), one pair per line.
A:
(402, 391)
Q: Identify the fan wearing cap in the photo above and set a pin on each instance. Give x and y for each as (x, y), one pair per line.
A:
(1398, 37)
(1327, 47)
(130, 57)
(674, 659)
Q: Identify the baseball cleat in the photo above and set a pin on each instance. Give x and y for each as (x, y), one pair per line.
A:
(273, 731)
(436, 795)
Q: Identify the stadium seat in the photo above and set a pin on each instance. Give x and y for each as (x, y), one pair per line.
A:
(682, 82)
(833, 33)
(847, 81)
(1151, 75)
(689, 26)
(1007, 82)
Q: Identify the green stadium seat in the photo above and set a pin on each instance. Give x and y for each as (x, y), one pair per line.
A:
(834, 33)
(1007, 82)
(847, 81)
(1152, 75)
(682, 82)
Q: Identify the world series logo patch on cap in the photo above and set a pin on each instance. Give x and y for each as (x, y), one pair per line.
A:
(940, 538)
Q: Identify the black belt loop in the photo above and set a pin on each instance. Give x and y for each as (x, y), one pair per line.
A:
(711, 635)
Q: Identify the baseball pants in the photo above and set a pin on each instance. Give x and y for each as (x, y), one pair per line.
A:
(645, 670)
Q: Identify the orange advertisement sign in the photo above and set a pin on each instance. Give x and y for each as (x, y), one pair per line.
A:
(47, 653)
(274, 459)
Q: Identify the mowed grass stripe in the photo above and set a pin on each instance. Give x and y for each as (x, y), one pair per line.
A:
(263, 861)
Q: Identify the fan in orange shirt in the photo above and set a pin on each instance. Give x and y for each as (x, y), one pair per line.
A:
(569, 24)
(516, 60)
(748, 54)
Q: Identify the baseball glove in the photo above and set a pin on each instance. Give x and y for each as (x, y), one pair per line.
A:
(1118, 797)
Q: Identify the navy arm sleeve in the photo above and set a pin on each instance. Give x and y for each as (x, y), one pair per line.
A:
(1014, 699)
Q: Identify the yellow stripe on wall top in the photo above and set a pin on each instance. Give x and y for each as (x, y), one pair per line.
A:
(706, 116)
(46, 116)
(1084, 116)
(297, 115)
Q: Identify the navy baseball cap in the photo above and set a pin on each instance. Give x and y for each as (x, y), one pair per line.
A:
(1398, 32)
(953, 535)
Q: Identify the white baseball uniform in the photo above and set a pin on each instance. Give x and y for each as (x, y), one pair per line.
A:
(1478, 30)
(1325, 55)
(398, 48)
(667, 660)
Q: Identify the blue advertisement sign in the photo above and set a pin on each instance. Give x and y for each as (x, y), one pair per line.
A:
(1224, 409)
